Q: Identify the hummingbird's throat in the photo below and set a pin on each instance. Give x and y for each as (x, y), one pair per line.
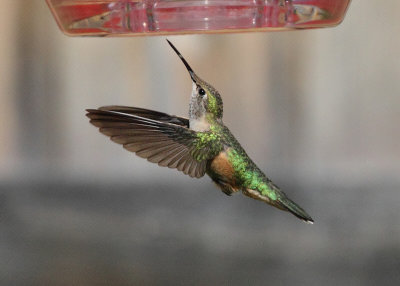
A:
(200, 125)
(197, 112)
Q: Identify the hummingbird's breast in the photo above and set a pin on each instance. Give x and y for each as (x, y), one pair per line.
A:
(222, 167)
(222, 173)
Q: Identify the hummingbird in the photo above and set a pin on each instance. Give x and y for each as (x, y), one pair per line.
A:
(198, 145)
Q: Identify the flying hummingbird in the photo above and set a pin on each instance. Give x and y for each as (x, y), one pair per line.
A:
(196, 146)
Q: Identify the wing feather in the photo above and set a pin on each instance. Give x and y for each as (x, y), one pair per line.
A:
(156, 136)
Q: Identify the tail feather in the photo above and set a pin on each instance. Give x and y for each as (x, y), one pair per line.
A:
(289, 205)
(281, 201)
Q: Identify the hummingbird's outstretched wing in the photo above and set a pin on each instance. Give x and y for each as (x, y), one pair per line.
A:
(156, 136)
(147, 113)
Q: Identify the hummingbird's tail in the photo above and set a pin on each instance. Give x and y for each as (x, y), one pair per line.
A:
(287, 204)
(278, 199)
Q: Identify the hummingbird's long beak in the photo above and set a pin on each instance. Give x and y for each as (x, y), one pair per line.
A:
(191, 72)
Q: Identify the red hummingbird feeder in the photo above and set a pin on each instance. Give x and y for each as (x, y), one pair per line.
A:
(151, 17)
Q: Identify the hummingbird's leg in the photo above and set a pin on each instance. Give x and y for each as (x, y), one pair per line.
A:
(226, 188)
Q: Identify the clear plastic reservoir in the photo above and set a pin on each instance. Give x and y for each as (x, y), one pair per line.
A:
(148, 17)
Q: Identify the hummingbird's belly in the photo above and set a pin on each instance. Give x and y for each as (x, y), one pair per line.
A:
(222, 166)
(223, 169)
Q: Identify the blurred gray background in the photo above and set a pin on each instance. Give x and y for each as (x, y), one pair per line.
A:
(318, 110)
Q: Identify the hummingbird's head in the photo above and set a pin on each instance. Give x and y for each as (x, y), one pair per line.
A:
(205, 100)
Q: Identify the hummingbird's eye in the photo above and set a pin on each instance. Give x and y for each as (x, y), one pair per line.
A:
(202, 92)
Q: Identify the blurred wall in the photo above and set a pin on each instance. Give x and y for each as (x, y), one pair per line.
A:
(319, 110)
(326, 100)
